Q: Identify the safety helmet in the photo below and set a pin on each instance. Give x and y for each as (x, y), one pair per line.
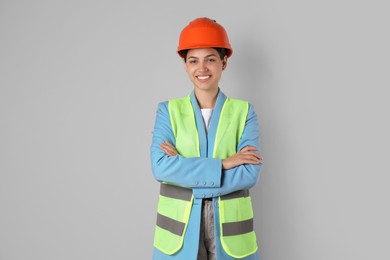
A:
(204, 33)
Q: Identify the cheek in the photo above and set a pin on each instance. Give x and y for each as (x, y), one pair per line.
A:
(189, 70)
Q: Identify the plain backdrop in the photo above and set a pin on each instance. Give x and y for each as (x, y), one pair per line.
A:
(79, 86)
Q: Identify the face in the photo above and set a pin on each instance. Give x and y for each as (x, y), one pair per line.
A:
(204, 68)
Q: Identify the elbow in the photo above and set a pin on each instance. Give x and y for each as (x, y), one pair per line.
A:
(156, 174)
(157, 169)
(158, 165)
(163, 167)
(253, 174)
(258, 168)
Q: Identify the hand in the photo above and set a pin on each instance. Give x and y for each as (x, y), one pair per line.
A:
(168, 148)
(247, 155)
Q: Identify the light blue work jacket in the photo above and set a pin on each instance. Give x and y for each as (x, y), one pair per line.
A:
(204, 174)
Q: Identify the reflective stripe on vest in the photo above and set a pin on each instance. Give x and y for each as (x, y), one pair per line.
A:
(236, 215)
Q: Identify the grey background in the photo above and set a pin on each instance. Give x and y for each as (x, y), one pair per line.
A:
(79, 86)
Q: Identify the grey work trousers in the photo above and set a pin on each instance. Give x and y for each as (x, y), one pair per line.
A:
(206, 239)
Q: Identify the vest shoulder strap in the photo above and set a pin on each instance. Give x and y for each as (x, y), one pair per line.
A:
(184, 129)
(230, 127)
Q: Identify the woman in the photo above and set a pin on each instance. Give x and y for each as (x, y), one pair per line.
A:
(205, 153)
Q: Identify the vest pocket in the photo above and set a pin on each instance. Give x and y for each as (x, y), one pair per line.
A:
(173, 214)
(238, 238)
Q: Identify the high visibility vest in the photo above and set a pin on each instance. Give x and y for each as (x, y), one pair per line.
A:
(235, 209)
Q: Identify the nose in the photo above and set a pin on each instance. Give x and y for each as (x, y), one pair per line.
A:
(202, 67)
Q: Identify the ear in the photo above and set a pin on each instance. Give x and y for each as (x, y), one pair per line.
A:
(224, 63)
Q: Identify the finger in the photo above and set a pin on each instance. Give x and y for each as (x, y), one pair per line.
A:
(168, 143)
(252, 154)
(250, 158)
(171, 150)
(258, 156)
(169, 153)
(253, 161)
(168, 148)
(164, 147)
(171, 146)
(249, 148)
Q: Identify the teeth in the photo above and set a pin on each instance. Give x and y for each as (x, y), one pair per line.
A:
(203, 77)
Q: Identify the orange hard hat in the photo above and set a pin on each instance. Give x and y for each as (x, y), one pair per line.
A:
(203, 33)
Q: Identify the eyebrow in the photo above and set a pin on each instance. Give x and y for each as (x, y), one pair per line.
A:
(207, 56)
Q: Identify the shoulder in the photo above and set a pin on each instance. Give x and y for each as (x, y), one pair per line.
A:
(237, 103)
(166, 102)
(163, 106)
(179, 101)
(244, 103)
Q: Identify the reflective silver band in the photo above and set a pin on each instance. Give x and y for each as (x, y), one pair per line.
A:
(235, 195)
(175, 192)
(237, 228)
(174, 226)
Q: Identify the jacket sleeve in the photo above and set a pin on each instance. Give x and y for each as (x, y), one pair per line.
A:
(241, 177)
(186, 172)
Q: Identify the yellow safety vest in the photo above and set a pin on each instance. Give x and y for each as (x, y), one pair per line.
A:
(235, 210)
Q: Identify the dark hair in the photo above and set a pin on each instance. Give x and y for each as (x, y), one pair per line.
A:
(221, 51)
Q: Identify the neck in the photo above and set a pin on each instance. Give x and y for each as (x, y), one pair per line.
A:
(206, 99)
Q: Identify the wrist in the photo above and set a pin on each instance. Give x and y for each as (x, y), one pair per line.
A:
(224, 164)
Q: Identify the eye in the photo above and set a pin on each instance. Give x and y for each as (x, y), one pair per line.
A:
(192, 61)
(211, 60)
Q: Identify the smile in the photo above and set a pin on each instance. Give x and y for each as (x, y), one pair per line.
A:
(203, 77)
